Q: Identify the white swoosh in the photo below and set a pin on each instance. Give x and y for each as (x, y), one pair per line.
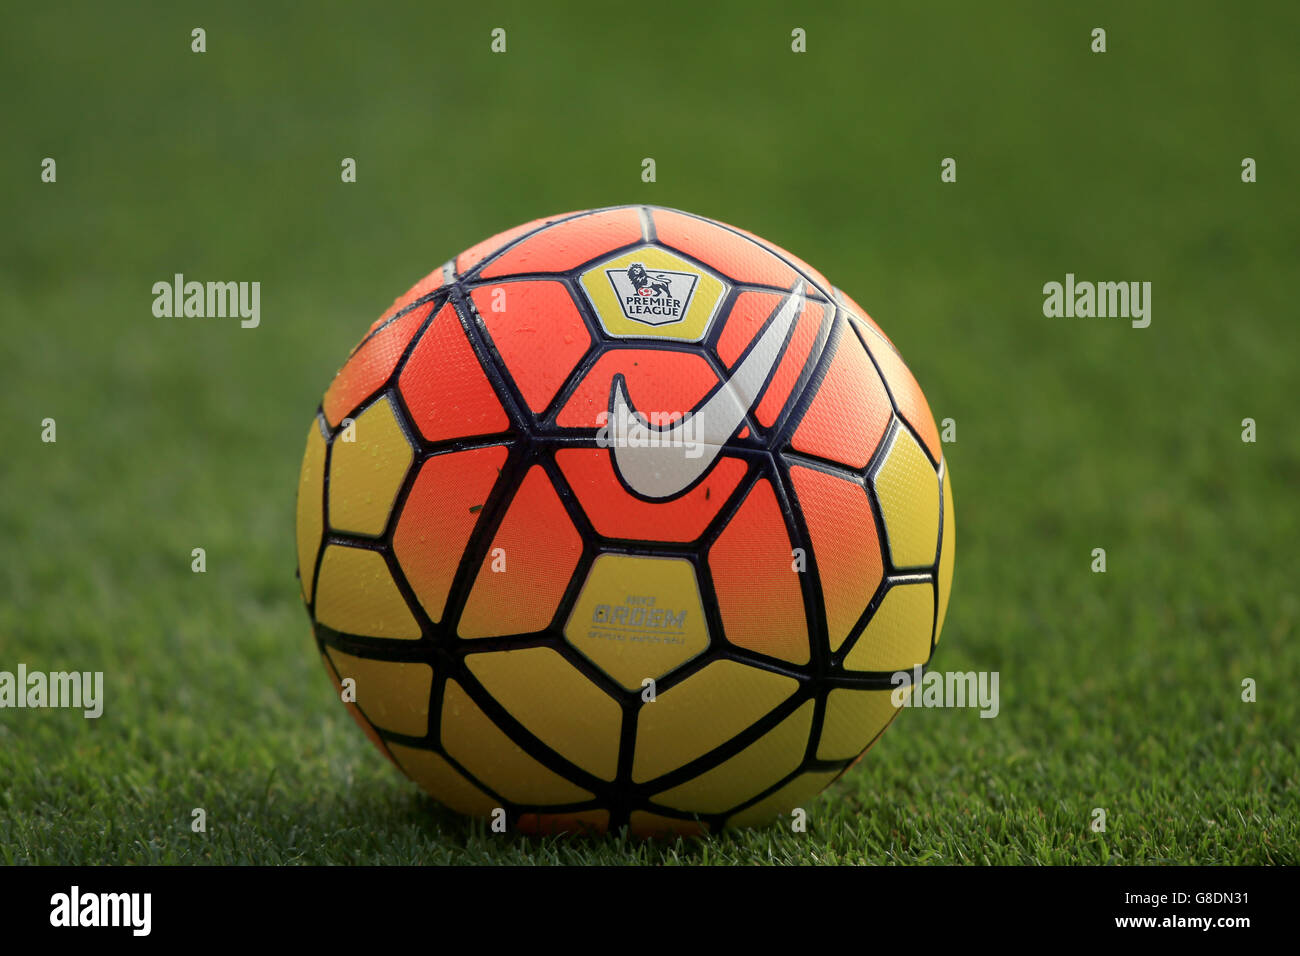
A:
(663, 469)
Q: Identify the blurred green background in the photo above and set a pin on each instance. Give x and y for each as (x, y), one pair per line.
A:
(1119, 690)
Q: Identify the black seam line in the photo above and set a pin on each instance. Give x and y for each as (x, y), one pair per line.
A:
(859, 628)
(581, 365)
(402, 414)
(451, 446)
(329, 663)
(716, 756)
(898, 412)
(795, 406)
(518, 462)
(761, 244)
(807, 388)
(513, 401)
(877, 510)
(387, 649)
(867, 325)
(495, 254)
(401, 313)
(392, 380)
(395, 571)
(768, 791)
(934, 620)
(433, 729)
(810, 585)
(809, 765)
(490, 519)
(517, 733)
(350, 540)
(938, 551)
(810, 591)
(824, 465)
(574, 274)
(322, 425)
(598, 346)
(732, 504)
(897, 426)
(815, 728)
(466, 773)
(911, 577)
(415, 651)
(430, 744)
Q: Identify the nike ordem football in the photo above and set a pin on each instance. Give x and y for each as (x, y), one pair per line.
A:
(624, 518)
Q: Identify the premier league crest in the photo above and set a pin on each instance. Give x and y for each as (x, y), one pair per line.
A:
(656, 297)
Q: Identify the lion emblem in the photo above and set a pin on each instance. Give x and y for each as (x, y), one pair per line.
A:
(646, 284)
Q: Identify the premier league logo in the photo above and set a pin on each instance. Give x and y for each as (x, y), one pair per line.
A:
(654, 298)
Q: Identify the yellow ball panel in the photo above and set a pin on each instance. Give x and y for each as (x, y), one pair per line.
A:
(482, 748)
(638, 617)
(556, 703)
(947, 552)
(393, 695)
(853, 719)
(908, 490)
(897, 637)
(311, 524)
(365, 474)
(702, 712)
(799, 792)
(442, 781)
(356, 595)
(774, 755)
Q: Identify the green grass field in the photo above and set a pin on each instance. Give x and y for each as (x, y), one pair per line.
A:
(1119, 690)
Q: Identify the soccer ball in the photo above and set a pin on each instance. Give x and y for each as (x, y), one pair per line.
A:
(624, 518)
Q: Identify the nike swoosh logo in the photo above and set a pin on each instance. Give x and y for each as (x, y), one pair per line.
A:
(662, 468)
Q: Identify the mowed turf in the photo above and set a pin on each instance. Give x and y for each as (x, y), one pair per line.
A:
(1119, 691)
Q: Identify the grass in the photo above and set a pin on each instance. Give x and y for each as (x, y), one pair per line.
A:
(1119, 690)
